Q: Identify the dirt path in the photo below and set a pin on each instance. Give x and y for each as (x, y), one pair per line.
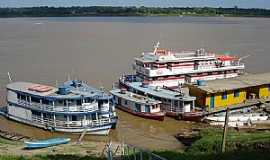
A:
(86, 148)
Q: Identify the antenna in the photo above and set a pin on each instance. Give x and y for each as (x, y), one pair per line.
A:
(9, 77)
(241, 58)
(156, 47)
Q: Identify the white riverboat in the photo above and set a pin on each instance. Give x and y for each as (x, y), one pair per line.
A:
(174, 102)
(138, 105)
(167, 68)
(73, 107)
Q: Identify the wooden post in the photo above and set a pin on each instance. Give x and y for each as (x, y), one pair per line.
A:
(223, 147)
(134, 153)
(149, 156)
(109, 151)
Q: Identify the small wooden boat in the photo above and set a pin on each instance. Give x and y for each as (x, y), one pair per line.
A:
(188, 137)
(193, 116)
(138, 105)
(46, 143)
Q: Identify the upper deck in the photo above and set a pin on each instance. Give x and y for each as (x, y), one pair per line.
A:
(134, 97)
(68, 90)
(164, 56)
(160, 92)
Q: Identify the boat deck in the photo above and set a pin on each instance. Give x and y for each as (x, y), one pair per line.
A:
(134, 97)
(160, 92)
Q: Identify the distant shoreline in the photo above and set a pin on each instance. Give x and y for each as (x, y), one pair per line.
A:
(109, 11)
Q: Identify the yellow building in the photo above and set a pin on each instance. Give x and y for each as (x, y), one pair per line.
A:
(217, 94)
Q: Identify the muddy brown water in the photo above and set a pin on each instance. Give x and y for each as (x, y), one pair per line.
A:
(100, 49)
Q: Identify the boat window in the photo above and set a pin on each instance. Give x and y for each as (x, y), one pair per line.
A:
(45, 101)
(74, 118)
(138, 107)
(23, 97)
(36, 113)
(93, 116)
(88, 100)
(147, 108)
(59, 103)
(79, 102)
(71, 102)
(18, 95)
(35, 99)
(175, 103)
(126, 102)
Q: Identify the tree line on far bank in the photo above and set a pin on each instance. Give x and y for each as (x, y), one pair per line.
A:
(45, 11)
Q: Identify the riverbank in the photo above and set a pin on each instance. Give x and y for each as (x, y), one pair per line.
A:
(87, 148)
(240, 145)
(45, 11)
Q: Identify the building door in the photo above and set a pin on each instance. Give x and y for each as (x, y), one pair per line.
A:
(212, 102)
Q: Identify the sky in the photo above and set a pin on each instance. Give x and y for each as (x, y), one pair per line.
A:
(153, 3)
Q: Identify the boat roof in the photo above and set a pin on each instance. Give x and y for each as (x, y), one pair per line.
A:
(173, 57)
(244, 81)
(75, 92)
(134, 97)
(160, 92)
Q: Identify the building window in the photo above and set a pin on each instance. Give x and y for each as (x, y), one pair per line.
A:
(224, 95)
(236, 93)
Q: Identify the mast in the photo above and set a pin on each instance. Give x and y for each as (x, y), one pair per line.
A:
(9, 77)
(156, 47)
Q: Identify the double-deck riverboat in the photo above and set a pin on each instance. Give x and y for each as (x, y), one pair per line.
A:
(138, 105)
(72, 107)
(168, 68)
(174, 102)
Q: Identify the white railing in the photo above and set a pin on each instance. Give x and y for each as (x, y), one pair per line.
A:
(58, 108)
(69, 124)
(166, 71)
(168, 107)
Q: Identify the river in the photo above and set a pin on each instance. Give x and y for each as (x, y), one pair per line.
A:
(100, 49)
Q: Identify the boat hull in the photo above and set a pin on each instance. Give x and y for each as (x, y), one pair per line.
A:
(193, 116)
(46, 143)
(158, 116)
(98, 130)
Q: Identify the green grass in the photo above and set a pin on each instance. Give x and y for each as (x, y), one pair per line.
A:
(212, 138)
(170, 155)
(5, 141)
(240, 146)
(51, 157)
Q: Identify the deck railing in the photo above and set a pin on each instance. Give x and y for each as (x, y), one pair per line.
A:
(168, 107)
(51, 108)
(50, 122)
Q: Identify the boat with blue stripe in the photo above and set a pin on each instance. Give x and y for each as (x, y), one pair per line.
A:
(73, 107)
(46, 143)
